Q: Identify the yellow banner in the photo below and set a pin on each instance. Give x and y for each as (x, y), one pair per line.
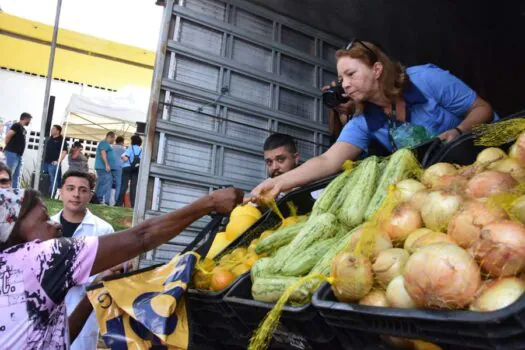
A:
(146, 309)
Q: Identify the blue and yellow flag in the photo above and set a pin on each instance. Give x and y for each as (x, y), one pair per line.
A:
(146, 309)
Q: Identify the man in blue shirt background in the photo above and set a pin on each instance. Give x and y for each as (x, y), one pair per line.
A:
(104, 163)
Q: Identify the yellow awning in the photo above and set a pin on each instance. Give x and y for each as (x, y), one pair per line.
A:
(25, 46)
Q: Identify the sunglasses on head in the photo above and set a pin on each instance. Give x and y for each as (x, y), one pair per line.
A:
(354, 41)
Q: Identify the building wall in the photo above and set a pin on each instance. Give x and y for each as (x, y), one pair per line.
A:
(25, 93)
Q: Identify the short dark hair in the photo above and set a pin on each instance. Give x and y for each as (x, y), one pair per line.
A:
(4, 167)
(58, 127)
(77, 144)
(136, 140)
(119, 139)
(280, 140)
(110, 133)
(82, 174)
(25, 115)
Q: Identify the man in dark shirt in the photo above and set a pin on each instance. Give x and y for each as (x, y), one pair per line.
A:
(53, 157)
(15, 145)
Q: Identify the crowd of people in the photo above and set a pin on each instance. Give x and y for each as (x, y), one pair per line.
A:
(115, 170)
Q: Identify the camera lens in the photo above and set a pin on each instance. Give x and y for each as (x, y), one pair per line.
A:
(333, 97)
(330, 99)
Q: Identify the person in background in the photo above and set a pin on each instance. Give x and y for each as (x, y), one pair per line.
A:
(5, 176)
(78, 221)
(118, 150)
(15, 145)
(28, 237)
(56, 150)
(76, 160)
(281, 156)
(396, 104)
(130, 170)
(104, 163)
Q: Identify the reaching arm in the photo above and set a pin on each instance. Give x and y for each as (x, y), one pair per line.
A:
(479, 113)
(9, 136)
(119, 247)
(78, 318)
(314, 169)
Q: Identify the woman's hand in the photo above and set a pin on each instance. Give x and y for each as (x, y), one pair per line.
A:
(449, 135)
(267, 190)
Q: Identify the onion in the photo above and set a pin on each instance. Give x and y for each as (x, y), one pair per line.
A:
(353, 277)
(498, 294)
(375, 298)
(382, 242)
(389, 264)
(500, 250)
(520, 149)
(402, 222)
(489, 183)
(465, 226)
(454, 183)
(397, 295)
(405, 189)
(438, 209)
(431, 238)
(413, 237)
(442, 275)
(510, 166)
(418, 199)
(490, 155)
(433, 173)
(518, 209)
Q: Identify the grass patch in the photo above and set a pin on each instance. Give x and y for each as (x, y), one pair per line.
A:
(119, 218)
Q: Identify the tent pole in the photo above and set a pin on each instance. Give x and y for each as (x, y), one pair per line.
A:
(61, 148)
(46, 97)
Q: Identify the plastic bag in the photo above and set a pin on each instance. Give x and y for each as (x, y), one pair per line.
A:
(145, 309)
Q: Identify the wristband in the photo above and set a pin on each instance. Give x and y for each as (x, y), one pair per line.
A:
(459, 130)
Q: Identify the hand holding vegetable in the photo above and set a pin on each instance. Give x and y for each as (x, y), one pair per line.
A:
(266, 191)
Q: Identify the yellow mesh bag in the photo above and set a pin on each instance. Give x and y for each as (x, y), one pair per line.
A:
(262, 337)
(492, 135)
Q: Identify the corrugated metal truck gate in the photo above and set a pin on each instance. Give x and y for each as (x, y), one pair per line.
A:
(228, 73)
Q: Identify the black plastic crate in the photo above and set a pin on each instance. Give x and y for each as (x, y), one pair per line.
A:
(301, 322)
(463, 151)
(502, 329)
(215, 338)
(209, 309)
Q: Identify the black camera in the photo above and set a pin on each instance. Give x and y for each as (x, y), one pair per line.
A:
(333, 97)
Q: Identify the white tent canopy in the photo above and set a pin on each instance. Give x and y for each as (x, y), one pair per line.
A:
(91, 118)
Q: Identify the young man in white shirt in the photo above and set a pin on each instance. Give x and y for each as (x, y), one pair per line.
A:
(77, 220)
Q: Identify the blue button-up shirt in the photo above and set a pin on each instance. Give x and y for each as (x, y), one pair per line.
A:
(434, 98)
